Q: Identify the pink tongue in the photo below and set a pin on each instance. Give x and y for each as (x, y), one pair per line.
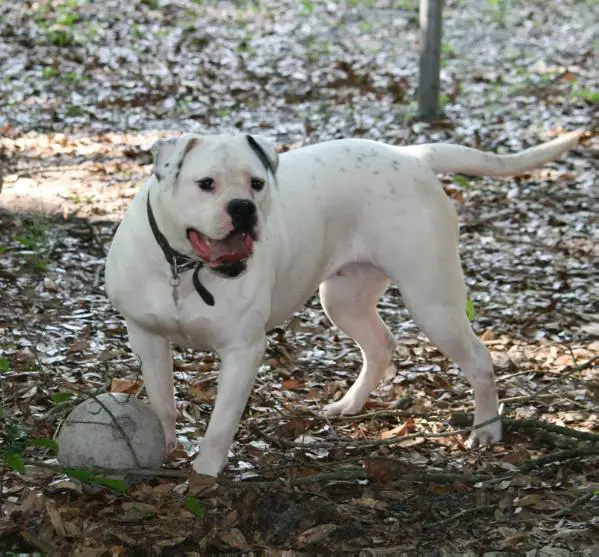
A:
(199, 245)
(230, 250)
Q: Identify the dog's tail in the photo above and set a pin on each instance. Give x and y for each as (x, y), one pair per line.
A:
(445, 158)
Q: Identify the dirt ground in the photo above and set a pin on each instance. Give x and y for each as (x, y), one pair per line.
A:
(87, 87)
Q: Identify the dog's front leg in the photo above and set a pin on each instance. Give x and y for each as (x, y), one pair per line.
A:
(239, 366)
(154, 354)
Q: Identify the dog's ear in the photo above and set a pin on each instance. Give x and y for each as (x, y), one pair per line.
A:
(169, 154)
(267, 154)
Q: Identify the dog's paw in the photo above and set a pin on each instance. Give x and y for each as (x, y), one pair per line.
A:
(200, 483)
(486, 435)
(170, 442)
(343, 407)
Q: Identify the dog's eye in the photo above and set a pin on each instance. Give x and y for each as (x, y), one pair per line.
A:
(257, 184)
(206, 184)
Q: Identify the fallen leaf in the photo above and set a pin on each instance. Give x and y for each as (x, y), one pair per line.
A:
(381, 470)
(234, 538)
(293, 383)
(315, 534)
(440, 489)
(399, 431)
(487, 335)
(370, 502)
(125, 386)
(55, 518)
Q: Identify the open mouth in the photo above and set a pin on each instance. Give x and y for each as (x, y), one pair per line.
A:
(235, 248)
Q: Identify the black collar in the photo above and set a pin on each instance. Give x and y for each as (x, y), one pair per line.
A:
(179, 262)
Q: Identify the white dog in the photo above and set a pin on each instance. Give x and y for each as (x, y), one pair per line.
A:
(213, 253)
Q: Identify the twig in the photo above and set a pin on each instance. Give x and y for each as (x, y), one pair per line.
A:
(576, 503)
(96, 238)
(43, 545)
(461, 514)
(107, 472)
(569, 372)
(98, 274)
(354, 473)
(390, 412)
(461, 419)
(508, 400)
(468, 226)
(521, 240)
(373, 443)
(347, 474)
(529, 464)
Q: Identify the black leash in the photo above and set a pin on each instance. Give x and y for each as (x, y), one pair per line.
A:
(178, 262)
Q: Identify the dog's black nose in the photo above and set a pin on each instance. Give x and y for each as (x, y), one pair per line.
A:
(243, 214)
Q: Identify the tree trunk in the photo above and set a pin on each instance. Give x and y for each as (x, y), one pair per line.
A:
(430, 58)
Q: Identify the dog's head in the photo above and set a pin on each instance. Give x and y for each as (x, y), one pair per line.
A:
(216, 191)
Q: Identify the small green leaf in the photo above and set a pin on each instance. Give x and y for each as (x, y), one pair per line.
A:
(470, 310)
(14, 460)
(25, 242)
(62, 397)
(41, 266)
(193, 504)
(4, 364)
(82, 475)
(461, 181)
(48, 443)
(113, 483)
(89, 477)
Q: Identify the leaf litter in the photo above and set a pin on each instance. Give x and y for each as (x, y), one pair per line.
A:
(87, 87)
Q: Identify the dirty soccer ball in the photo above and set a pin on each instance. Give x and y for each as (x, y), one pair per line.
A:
(90, 436)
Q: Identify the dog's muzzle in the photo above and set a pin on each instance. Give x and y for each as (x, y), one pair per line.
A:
(229, 255)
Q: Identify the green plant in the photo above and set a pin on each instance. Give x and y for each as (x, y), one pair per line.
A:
(59, 36)
(470, 311)
(308, 6)
(59, 23)
(16, 440)
(407, 5)
(448, 51)
(50, 72)
(35, 238)
(73, 77)
(461, 181)
(500, 9)
(192, 504)
(74, 110)
(116, 484)
(35, 234)
(589, 95)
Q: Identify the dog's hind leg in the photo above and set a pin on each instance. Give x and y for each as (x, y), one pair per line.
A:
(432, 286)
(349, 299)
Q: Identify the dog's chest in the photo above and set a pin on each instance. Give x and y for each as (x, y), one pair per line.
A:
(179, 315)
